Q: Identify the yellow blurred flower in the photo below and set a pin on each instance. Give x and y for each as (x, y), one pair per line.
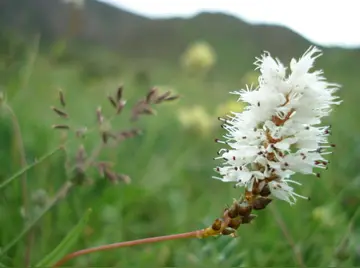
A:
(196, 119)
(199, 57)
(230, 106)
(325, 215)
(250, 78)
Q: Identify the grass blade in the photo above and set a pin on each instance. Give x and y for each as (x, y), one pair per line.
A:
(66, 243)
(60, 194)
(30, 166)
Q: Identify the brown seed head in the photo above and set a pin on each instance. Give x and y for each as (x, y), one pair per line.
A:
(78, 176)
(162, 97)
(244, 209)
(216, 226)
(151, 95)
(112, 101)
(59, 112)
(261, 203)
(171, 98)
(248, 219)
(60, 127)
(127, 134)
(265, 191)
(62, 98)
(234, 209)
(119, 93)
(148, 110)
(110, 175)
(125, 178)
(235, 223)
(119, 106)
(228, 231)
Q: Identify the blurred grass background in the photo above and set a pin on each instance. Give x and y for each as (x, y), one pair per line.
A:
(171, 162)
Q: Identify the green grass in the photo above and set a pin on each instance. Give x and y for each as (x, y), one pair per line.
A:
(171, 168)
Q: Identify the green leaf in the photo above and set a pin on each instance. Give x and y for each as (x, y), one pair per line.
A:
(65, 245)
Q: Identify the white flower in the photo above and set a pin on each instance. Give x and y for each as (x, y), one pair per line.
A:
(278, 133)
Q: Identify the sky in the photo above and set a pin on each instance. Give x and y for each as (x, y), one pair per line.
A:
(323, 22)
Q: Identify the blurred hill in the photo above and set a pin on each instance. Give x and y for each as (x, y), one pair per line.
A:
(136, 37)
(139, 37)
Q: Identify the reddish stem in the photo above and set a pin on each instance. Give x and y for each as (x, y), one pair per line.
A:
(193, 234)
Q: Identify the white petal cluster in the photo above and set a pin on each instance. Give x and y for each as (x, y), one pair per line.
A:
(278, 134)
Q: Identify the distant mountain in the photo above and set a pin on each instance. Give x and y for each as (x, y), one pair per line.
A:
(139, 36)
(135, 36)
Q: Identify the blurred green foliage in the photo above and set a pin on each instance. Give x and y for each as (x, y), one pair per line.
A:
(171, 167)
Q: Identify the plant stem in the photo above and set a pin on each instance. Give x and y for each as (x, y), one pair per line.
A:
(25, 200)
(58, 196)
(30, 166)
(297, 254)
(193, 234)
(29, 66)
(94, 154)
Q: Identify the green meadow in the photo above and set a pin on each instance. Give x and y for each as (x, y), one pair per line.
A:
(170, 163)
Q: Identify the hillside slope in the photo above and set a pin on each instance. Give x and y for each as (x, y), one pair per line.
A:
(135, 37)
(138, 36)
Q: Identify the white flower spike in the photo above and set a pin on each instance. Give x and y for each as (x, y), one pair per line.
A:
(278, 133)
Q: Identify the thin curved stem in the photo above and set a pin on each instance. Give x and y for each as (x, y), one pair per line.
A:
(193, 234)
(20, 146)
(21, 149)
(297, 253)
(29, 166)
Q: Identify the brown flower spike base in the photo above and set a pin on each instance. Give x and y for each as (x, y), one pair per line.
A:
(238, 213)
